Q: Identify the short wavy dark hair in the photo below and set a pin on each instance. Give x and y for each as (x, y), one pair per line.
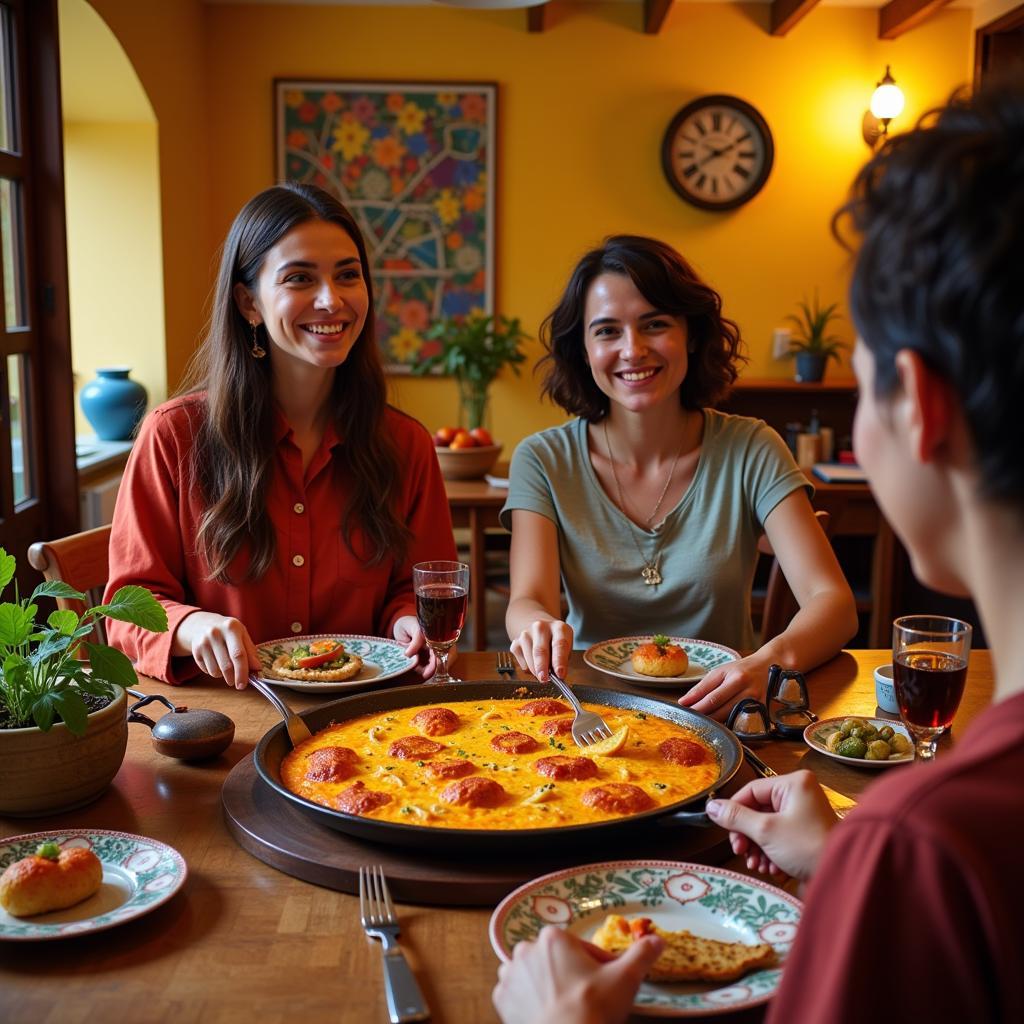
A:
(671, 286)
(940, 268)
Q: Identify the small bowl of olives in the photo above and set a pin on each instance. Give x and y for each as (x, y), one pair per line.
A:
(863, 742)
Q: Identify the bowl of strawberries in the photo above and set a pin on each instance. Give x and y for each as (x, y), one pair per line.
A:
(465, 454)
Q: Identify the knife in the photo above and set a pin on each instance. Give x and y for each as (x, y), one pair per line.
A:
(840, 804)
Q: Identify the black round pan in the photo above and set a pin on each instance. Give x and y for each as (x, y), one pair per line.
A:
(275, 745)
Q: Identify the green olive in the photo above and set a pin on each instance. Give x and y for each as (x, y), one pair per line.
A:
(849, 724)
(852, 746)
(878, 750)
(900, 744)
(832, 743)
(886, 733)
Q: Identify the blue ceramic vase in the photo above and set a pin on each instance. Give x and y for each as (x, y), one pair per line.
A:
(113, 403)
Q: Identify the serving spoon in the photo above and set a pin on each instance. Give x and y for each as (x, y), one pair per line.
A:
(297, 728)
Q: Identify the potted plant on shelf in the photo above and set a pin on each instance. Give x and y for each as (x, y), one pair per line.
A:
(812, 345)
(63, 723)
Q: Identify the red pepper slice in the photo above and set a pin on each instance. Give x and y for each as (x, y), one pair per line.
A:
(321, 651)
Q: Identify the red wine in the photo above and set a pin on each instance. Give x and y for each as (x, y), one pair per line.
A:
(929, 685)
(441, 609)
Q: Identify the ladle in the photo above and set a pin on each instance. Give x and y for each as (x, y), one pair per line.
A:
(189, 734)
(297, 728)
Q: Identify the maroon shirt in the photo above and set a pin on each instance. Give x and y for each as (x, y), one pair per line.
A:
(315, 583)
(916, 912)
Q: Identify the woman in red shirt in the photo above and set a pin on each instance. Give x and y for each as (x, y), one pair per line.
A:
(279, 494)
(914, 905)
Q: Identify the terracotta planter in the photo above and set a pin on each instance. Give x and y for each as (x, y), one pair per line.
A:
(46, 772)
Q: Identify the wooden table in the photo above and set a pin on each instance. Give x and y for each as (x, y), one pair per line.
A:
(243, 942)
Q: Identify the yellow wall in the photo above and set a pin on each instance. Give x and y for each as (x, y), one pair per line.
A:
(582, 110)
(112, 193)
(165, 41)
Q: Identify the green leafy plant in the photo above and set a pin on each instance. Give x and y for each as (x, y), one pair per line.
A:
(41, 676)
(811, 327)
(474, 350)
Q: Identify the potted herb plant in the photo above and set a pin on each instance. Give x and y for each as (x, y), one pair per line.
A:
(812, 345)
(474, 350)
(63, 722)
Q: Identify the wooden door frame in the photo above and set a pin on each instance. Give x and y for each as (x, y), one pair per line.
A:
(1006, 23)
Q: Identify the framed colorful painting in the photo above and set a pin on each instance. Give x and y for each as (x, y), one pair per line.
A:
(415, 165)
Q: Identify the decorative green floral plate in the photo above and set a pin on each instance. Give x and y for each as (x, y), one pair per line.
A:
(613, 657)
(382, 659)
(139, 875)
(817, 733)
(710, 902)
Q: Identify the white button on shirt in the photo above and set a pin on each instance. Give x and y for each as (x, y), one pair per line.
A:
(298, 560)
(296, 627)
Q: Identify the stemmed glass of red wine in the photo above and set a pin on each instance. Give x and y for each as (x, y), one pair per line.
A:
(442, 589)
(929, 667)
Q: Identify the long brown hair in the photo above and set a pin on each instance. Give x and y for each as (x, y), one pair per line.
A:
(233, 457)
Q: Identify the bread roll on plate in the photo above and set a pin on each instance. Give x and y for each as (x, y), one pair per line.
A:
(50, 879)
(660, 658)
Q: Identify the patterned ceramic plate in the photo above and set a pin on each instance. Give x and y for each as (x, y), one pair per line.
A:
(817, 734)
(382, 659)
(613, 657)
(711, 902)
(139, 875)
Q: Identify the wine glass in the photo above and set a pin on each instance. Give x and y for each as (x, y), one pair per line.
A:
(929, 667)
(442, 589)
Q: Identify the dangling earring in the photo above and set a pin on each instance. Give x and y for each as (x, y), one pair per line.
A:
(257, 351)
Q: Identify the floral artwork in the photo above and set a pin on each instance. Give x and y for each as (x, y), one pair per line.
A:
(415, 165)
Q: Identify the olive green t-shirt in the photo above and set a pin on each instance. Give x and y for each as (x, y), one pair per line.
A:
(706, 546)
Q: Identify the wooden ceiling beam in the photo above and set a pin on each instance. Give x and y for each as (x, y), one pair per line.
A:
(655, 12)
(786, 13)
(535, 18)
(899, 16)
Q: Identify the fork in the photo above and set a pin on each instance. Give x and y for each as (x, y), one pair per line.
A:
(377, 914)
(587, 727)
(506, 664)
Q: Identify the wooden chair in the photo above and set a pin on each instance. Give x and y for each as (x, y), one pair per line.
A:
(780, 605)
(80, 560)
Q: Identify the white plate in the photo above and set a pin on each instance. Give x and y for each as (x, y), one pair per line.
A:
(711, 902)
(613, 658)
(139, 875)
(817, 733)
(382, 659)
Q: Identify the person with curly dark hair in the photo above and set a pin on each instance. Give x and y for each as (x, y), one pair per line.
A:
(915, 896)
(279, 494)
(648, 507)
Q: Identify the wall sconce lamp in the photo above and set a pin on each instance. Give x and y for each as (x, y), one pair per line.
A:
(886, 103)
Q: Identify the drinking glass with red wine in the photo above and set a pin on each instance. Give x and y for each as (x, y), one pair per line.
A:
(442, 589)
(929, 667)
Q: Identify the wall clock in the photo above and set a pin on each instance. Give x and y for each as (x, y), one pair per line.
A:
(717, 152)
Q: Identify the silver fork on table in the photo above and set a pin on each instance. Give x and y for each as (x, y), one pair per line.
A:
(587, 727)
(377, 914)
(506, 664)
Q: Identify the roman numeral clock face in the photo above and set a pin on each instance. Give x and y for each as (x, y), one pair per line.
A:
(717, 152)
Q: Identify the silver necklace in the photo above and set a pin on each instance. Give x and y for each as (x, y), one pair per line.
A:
(650, 572)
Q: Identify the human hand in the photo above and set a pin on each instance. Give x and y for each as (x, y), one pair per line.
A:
(407, 631)
(559, 978)
(220, 645)
(779, 824)
(544, 644)
(723, 687)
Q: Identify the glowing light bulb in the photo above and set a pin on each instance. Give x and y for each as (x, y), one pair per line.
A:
(887, 100)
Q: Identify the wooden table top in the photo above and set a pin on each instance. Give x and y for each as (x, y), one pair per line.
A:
(242, 939)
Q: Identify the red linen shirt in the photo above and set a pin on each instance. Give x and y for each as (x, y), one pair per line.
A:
(314, 585)
(915, 911)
